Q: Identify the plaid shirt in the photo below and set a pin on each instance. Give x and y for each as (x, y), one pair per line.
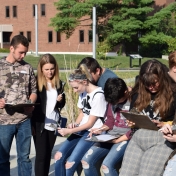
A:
(17, 82)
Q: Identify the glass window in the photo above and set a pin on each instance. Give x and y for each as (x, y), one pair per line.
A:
(33, 9)
(14, 11)
(50, 36)
(6, 37)
(42, 9)
(21, 33)
(90, 36)
(58, 36)
(7, 11)
(81, 36)
(29, 36)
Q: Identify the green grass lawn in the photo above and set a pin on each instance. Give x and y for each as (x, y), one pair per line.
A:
(71, 61)
(115, 63)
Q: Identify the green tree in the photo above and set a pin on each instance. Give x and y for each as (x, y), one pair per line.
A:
(158, 30)
(125, 22)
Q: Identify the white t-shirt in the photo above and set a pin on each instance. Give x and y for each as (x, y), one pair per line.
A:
(92, 105)
(51, 115)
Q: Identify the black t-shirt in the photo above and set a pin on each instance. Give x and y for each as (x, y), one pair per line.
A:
(149, 110)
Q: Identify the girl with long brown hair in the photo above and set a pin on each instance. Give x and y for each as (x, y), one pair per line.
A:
(153, 96)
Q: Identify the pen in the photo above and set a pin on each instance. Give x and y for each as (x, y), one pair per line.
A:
(62, 93)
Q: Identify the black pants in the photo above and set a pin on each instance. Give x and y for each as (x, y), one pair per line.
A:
(44, 144)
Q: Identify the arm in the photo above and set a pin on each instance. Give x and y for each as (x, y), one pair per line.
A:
(2, 103)
(78, 120)
(120, 139)
(61, 100)
(167, 133)
(98, 130)
(89, 124)
(110, 118)
(32, 90)
(33, 97)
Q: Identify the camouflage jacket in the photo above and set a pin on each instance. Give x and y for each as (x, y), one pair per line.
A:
(17, 82)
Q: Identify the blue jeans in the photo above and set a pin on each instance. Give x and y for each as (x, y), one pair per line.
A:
(73, 149)
(114, 154)
(171, 167)
(22, 133)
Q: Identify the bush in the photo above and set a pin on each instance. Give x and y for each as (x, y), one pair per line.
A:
(4, 50)
(153, 51)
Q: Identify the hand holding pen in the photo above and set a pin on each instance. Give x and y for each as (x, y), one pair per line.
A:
(96, 131)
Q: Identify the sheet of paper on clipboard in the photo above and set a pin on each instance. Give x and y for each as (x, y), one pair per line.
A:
(140, 120)
(101, 138)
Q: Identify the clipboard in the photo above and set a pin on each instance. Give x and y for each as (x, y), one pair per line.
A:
(21, 105)
(141, 121)
(102, 138)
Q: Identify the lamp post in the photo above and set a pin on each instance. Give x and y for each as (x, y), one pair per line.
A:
(36, 30)
(94, 32)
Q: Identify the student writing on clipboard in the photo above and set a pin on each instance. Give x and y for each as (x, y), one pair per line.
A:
(93, 106)
(117, 95)
(152, 95)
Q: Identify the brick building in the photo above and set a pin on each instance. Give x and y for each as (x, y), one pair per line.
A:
(18, 17)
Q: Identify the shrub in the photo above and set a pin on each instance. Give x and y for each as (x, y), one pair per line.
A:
(4, 50)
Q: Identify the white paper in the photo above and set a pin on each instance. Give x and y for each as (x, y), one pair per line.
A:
(102, 138)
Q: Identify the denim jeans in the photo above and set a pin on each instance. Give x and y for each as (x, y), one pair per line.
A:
(22, 133)
(114, 154)
(171, 167)
(73, 149)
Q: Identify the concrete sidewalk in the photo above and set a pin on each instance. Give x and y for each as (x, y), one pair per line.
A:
(13, 157)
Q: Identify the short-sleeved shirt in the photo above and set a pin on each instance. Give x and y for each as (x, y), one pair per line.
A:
(105, 75)
(92, 104)
(17, 82)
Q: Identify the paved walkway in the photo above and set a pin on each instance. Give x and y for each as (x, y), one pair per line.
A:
(13, 158)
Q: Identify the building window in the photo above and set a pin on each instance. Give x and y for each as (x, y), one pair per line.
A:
(50, 36)
(58, 36)
(29, 36)
(14, 11)
(21, 33)
(33, 7)
(7, 11)
(90, 36)
(81, 36)
(42, 9)
(6, 37)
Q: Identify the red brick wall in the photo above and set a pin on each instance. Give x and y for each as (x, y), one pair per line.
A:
(163, 2)
(26, 22)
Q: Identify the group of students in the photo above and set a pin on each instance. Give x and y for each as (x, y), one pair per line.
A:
(102, 97)
(142, 151)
